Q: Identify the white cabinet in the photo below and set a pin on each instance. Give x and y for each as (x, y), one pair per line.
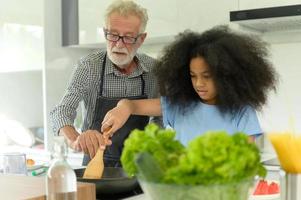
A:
(166, 18)
(163, 20)
(163, 17)
(91, 20)
(200, 15)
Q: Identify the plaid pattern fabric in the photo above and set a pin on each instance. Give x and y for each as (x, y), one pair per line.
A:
(85, 84)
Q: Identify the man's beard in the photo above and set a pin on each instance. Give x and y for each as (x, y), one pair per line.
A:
(122, 61)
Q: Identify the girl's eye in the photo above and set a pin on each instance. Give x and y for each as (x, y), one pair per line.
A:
(207, 76)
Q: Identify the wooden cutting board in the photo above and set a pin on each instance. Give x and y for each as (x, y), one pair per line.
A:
(33, 188)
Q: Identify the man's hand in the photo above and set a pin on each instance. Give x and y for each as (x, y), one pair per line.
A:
(90, 141)
(71, 136)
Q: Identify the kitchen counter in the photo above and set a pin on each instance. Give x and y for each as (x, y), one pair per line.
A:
(15, 187)
(42, 156)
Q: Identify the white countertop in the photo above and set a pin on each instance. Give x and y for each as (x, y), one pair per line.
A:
(42, 156)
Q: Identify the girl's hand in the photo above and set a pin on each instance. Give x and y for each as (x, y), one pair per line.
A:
(116, 118)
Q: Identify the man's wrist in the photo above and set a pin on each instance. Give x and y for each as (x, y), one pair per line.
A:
(69, 133)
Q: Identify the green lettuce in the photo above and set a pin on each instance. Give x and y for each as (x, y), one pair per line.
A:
(160, 143)
(217, 158)
(212, 158)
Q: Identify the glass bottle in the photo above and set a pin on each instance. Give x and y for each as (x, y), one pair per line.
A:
(61, 179)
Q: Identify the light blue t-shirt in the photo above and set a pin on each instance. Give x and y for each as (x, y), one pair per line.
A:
(204, 117)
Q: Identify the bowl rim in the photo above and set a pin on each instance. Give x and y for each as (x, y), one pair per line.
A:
(248, 180)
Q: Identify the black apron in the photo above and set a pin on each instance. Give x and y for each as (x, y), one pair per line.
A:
(103, 105)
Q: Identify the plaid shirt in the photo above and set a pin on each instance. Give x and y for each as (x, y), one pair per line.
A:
(85, 84)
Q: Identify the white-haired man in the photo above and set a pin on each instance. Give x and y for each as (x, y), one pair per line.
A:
(104, 77)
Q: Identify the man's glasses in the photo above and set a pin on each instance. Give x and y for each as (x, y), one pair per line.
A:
(115, 37)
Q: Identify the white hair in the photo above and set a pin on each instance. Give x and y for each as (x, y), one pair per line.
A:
(126, 8)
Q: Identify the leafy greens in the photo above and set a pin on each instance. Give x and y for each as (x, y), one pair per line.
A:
(212, 158)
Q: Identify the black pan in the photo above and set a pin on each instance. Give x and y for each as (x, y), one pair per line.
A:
(113, 181)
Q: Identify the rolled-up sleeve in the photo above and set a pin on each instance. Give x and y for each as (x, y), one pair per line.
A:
(65, 112)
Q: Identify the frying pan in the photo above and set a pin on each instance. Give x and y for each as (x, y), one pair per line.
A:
(113, 181)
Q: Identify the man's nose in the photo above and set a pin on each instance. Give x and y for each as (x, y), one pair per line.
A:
(120, 43)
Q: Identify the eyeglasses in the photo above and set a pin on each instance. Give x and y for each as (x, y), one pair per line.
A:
(115, 37)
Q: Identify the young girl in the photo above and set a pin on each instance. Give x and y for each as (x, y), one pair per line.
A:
(209, 81)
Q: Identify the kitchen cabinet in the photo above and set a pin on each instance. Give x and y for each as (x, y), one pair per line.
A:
(87, 31)
(166, 19)
(91, 19)
(90, 24)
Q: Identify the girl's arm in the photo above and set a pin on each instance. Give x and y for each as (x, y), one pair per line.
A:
(117, 117)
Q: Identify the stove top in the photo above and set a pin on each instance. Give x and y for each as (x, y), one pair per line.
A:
(118, 196)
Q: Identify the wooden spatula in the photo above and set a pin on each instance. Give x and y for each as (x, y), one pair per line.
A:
(95, 167)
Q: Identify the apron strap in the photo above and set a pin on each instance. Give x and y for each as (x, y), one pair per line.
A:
(102, 74)
(143, 84)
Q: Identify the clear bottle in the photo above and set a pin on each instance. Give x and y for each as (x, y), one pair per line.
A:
(61, 179)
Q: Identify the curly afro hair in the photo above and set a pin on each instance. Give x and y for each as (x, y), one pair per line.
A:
(238, 64)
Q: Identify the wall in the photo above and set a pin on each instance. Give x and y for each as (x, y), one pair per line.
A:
(283, 113)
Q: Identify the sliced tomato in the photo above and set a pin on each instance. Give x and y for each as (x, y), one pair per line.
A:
(262, 188)
(273, 188)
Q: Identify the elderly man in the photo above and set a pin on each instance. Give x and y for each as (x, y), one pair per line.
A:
(104, 77)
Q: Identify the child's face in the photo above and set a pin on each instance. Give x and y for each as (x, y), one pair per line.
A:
(202, 80)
